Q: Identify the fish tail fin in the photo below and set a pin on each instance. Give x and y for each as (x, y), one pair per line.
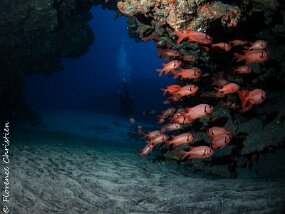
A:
(175, 74)
(167, 143)
(205, 75)
(239, 56)
(242, 94)
(184, 154)
(164, 90)
(232, 132)
(160, 71)
(171, 119)
(243, 97)
(180, 35)
(184, 114)
(217, 89)
(247, 108)
(139, 153)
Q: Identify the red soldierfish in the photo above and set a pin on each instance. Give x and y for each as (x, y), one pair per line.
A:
(152, 134)
(147, 149)
(182, 35)
(198, 111)
(190, 73)
(229, 88)
(181, 139)
(220, 141)
(242, 69)
(151, 37)
(215, 130)
(170, 53)
(161, 120)
(257, 45)
(238, 42)
(250, 98)
(181, 119)
(220, 82)
(193, 36)
(171, 127)
(223, 46)
(169, 67)
(253, 56)
(159, 139)
(197, 152)
(171, 89)
(188, 58)
(187, 90)
(175, 98)
(168, 112)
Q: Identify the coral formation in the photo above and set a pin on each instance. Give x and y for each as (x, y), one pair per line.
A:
(219, 60)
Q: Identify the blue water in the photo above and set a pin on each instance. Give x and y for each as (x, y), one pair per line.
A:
(92, 81)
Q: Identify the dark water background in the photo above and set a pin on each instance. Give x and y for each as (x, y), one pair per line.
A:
(92, 81)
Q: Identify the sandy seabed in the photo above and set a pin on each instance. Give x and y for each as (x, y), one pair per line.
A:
(87, 165)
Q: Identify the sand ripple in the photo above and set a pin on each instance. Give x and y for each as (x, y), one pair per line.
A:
(68, 175)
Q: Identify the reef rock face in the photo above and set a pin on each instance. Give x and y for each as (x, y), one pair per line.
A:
(35, 35)
(256, 133)
(157, 16)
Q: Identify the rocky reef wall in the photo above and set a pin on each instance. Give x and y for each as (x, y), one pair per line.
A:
(35, 35)
(258, 132)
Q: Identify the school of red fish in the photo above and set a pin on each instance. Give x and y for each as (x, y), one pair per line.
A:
(175, 119)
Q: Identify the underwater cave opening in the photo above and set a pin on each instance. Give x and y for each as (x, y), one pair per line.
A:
(97, 80)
